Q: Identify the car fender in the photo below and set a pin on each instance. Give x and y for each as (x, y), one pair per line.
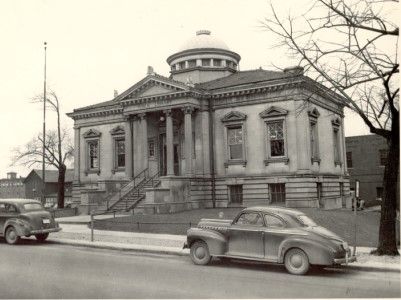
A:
(20, 226)
(317, 252)
(216, 241)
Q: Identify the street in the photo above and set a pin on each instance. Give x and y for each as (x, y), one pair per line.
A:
(32, 270)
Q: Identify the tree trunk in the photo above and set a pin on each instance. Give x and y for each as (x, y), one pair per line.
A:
(387, 234)
(61, 184)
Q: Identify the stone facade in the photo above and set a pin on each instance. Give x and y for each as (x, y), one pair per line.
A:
(214, 136)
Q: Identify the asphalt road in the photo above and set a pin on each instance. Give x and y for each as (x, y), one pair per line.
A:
(32, 270)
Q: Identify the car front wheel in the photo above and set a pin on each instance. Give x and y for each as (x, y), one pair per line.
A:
(12, 236)
(296, 262)
(41, 237)
(200, 253)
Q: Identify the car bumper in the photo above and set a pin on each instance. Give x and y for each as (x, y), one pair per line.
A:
(345, 260)
(47, 230)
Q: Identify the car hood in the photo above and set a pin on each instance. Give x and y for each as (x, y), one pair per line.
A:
(215, 224)
(323, 232)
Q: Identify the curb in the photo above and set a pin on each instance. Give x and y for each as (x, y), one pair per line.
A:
(129, 247)
(181, 252)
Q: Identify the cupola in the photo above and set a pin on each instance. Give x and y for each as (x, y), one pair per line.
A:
(202, 58)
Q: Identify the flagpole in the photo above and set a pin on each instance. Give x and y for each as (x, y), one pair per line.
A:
(44, 132)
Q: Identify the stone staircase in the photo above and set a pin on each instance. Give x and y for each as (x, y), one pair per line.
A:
(133, 198)
(131, 194)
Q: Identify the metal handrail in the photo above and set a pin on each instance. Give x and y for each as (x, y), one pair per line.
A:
(136, 189)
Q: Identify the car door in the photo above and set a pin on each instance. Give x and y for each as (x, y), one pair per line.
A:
(276, 231)
(245, 236)
(3, 217)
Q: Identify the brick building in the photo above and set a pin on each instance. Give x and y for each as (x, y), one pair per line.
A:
(12, 187)
(34, 184)
(366, 158)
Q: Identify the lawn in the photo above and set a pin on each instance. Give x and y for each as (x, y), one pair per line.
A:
(339, 221)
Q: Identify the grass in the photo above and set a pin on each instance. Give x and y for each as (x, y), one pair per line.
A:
(339, 221)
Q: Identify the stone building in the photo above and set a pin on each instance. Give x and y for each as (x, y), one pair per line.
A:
(211, 135)
(366, 158)
(12, 186)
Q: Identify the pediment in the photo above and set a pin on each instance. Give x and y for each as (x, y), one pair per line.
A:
(152, 86)
(92, 133)
(234, 116)
(273, 111)
(118, 130)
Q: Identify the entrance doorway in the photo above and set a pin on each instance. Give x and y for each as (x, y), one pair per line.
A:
(163, 156)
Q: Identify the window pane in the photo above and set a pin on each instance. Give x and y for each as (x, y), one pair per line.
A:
(234, 136)
(272, 222)
(217, 62)
(277, 192)
(205, 62)
(192, 63)
(93, 155)
(349, 159)
(250, 219)
(336, 150)
(383, 156)
(276, 138)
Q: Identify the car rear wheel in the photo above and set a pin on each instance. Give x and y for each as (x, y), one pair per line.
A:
(296, 261)
(41, 237)
(12, 236)
(200, 253)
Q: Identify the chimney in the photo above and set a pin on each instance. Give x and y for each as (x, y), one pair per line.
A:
(150, 70)
(115, 93)
(296, 70)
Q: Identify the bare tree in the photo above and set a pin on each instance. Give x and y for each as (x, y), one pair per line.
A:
(58, 148)
(350, 46)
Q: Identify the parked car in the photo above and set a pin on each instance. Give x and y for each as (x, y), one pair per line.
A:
(25, 217)
(269, 234)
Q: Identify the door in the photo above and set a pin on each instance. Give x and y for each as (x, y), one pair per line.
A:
(246, 236)
(7, 211)
(275, 233)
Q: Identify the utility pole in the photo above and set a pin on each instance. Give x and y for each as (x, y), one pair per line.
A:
(44, 133)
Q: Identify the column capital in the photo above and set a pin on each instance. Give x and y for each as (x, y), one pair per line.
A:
(127, 118)
(188, 109)
(168, 112)
(142, 116)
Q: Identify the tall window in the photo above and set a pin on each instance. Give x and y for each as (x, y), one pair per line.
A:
(336, 141)
(314, 139)
(383, 153)
(379, 193)
(277, 192)
(276, 138)
(236, 194)
(120, 153)
(235, 140)
(93, 154)
(182, 65)
(349, 159)
(151, 148)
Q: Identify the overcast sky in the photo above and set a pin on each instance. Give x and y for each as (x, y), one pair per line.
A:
(95, 47)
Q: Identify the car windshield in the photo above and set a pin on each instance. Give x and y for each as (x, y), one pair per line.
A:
(306, 221)
(32, 206)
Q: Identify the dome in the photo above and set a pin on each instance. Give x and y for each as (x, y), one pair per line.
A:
(203, 40)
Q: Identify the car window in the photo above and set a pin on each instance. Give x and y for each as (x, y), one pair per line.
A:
(8, 208)
(33, 206)
(250, 219)
(273, 222)
(2, 208)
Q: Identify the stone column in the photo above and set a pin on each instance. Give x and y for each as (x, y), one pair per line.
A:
(128, 148)
(77, 154)
(188, 139)
(169, 142)
(206, 142)
(144, 141)
(303, 142)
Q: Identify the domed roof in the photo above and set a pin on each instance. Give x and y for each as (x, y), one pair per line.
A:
(202, 40)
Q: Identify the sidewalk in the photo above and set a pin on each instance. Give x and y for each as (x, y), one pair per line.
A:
(76, 233)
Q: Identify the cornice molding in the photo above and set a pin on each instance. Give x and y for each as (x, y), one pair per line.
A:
(92, 133)
(273, 111)
(233, 116)
(118, 130)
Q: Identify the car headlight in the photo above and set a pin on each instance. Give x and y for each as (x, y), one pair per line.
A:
(345, 245)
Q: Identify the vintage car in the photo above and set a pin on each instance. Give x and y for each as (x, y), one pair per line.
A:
(268, 234)
(25, 217)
